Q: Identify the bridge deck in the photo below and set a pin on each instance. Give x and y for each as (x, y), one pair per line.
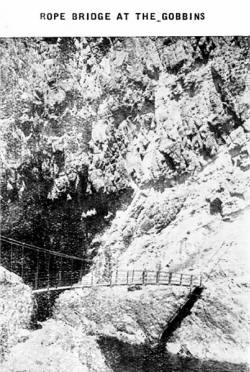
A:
(49, 271)
(168, 279)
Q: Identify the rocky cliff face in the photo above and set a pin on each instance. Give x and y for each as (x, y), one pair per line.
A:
(135, 153)
(16, 306)
(86, 121)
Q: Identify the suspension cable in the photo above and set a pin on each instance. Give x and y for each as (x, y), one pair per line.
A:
(35, 248)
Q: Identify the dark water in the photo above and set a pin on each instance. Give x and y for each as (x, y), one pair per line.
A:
(122, 357)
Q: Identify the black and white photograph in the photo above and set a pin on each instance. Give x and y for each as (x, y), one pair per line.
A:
(125, 204)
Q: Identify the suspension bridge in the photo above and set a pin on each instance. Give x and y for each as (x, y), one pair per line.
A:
(47, 271)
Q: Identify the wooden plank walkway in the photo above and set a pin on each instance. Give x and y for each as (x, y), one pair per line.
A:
(132, 278)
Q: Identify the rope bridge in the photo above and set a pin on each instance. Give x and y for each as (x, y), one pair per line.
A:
(45, 270)
(40, 267)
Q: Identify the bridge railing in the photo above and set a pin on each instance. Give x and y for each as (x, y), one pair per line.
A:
(41, 268)
(144, 277)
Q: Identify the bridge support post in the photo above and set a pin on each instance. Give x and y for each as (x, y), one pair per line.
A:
(179, 315)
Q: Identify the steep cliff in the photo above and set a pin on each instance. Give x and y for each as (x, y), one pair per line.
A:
(86, 121)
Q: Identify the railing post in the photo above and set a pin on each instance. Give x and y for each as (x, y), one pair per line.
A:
(59, 278)
(60, 273)
(191, 281)
(158, 272)
(22, 261)
(11, 257)
(127, 276)
(48, 271)
(37, 268)
(170, 278)
(36, 280)
(81, 270)
(116, 276)
(181, 279)
(71, 272)
(92, 279)
(133, 273)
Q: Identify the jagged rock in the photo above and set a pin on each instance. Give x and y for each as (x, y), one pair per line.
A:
(246, 125)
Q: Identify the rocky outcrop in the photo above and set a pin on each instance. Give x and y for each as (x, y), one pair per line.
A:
(175, 216)
(16, 307)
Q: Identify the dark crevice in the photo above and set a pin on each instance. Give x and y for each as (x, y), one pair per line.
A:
(169, 161)
(43, 308)
(176, 68)
(215, 206)
(227, 103)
